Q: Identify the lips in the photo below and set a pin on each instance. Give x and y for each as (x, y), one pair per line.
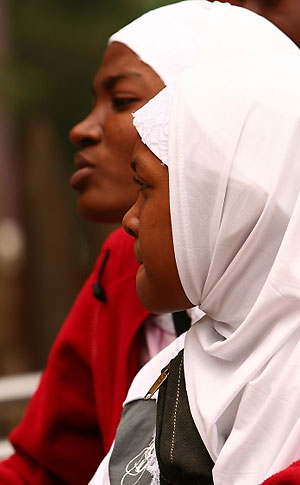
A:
(84, 169)
(137, 254)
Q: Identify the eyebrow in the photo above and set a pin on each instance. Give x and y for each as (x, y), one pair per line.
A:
(110, 81)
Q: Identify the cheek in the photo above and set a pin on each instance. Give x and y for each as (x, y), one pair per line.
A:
(157, 277)
(115, 155)
(121, 136)
(158, 284)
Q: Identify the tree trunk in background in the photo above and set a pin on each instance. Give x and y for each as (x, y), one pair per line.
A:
(13, 353)
(54, 272)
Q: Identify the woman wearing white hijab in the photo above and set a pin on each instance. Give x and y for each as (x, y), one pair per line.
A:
(229, 134)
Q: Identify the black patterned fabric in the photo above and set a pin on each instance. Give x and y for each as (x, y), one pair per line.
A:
(181, 454)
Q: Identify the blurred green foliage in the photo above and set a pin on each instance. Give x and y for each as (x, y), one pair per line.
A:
(17, 80)
(56, 47)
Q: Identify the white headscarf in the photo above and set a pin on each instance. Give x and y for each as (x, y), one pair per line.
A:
(234, 168)
(170, 38)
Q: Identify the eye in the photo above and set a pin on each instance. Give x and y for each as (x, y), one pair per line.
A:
(142, 185)
(122, 103)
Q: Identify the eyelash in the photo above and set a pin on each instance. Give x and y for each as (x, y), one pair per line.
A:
(142, 185)
(120, 104)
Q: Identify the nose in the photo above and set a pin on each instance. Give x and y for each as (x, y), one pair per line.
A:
(130, 222)
(88, 132)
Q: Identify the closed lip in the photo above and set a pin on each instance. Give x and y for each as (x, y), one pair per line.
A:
(81, 162)
(137, 254)
(83, 169)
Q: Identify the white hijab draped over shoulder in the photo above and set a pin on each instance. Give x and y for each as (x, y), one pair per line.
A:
(230, 135)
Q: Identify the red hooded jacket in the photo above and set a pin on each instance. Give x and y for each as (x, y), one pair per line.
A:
(71, 420)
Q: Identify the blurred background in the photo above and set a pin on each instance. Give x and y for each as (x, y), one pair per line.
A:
(49, 53)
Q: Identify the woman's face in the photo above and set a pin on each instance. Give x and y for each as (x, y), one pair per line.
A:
(106, 137)
(149, 222)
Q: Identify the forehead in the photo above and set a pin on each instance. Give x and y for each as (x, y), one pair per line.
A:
(120, 60)
(144, 162)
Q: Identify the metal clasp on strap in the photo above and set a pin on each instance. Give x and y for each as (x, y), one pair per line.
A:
(159, 381)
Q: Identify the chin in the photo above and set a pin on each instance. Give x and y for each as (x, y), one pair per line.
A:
(150, 299)
(158, 298)
(99, 213)
(151, 305)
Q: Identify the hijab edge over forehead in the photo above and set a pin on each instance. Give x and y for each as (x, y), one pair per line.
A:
(168, 38)
(172, 38)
